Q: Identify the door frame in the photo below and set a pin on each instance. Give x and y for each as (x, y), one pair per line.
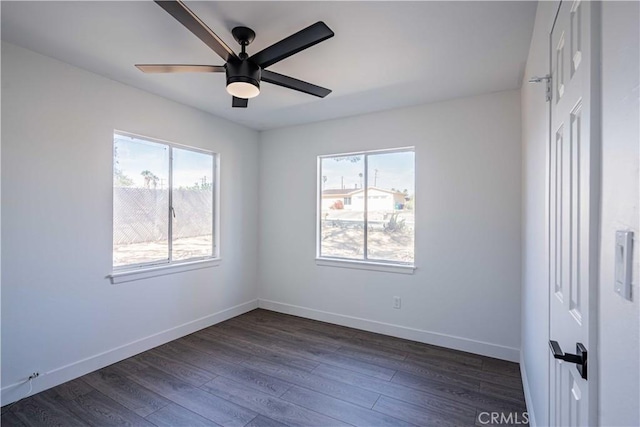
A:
(595, 144)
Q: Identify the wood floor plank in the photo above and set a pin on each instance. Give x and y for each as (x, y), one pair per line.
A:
(470, 372)
(262, 421)
(459, 394)
(418, 350)
(272, 407)
(99, 410)
(210, 347)
(237, 372)
(332, 329)
(281, 322)
(313, 352)
(9, 419)
(186, 372)
(126, 392)
(284, 323)
(270, 339)
(424, 352)
(296, 321)
(354, 343)
(317, 325)
(413, 414)
(222, 342)
(45, 410)
(501, 367)
(161, 383)
(127, 366)
(315, 382)
(70, 390)
(374, 370)
(218, 410)
(262, 351)
(245, 333)
(513, 395)
(327, 332)
(373, 350)
(321, 332)
(431, 371)
(439, 404)
(193, 355)
(339, 409)
(507, 381)
(294, 337)
(174, 415)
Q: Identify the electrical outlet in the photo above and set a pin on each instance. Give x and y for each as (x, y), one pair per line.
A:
(397, 302)
(34, 375)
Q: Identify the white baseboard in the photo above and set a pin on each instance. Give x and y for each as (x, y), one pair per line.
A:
(457, 343)
(62, 374)
(527, 393)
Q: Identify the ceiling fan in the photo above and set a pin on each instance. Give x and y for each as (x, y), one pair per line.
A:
(244, 72)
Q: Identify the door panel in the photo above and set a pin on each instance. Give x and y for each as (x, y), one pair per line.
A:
(573, 217)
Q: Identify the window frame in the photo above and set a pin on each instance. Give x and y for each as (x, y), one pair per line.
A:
(144, 270)
(365, 263)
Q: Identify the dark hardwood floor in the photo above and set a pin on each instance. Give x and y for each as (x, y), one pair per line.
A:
(266, 369)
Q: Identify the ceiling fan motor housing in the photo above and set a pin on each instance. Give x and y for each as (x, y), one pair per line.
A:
(243, 71)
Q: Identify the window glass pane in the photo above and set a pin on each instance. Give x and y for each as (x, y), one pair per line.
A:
(390, 204)
(192, 198)
(140, 201)
(342, 207)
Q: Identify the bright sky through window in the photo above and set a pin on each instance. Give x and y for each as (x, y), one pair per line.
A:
(196, 168)
(398, 172)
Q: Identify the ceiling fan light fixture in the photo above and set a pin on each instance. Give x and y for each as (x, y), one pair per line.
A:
(243, 89)
(243, 79)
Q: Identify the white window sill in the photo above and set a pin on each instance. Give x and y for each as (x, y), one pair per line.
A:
(162, 270)
(366, 265)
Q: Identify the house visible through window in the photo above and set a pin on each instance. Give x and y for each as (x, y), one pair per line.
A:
(366, 206)
(163, 203)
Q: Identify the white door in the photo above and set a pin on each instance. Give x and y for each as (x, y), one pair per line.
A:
(574, 175)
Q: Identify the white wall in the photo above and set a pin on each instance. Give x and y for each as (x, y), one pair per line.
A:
(60, 315)
(465, 292)
(619, 332)
(534, 352)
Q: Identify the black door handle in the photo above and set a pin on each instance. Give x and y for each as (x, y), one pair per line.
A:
(580, 358)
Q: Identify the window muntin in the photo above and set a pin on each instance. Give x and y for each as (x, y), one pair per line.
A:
(163, 203)
(378, 224)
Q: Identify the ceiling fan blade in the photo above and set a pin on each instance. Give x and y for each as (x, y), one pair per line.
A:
(295, 84)
(180, 68)
(295, 43)
(239, 102)
(186, 17)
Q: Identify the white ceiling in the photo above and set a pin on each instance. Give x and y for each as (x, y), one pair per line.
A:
(384, 55)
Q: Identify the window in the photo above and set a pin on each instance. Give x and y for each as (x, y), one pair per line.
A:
(377, 225)
(163, 203)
